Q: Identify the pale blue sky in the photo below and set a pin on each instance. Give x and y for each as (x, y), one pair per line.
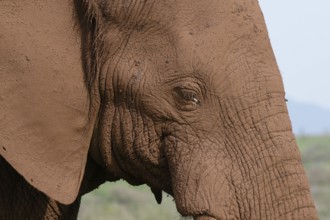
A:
(300, 35)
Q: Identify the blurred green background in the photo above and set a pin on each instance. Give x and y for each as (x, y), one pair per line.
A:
(121, 201)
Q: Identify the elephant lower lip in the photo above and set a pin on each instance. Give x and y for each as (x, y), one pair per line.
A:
(204, 218)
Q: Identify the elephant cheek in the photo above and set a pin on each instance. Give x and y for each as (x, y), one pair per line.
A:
(199, 184)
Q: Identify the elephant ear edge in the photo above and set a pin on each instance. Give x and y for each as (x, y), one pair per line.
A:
(45, 119)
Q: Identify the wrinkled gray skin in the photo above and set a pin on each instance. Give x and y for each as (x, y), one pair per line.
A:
(194, 105)
(190, 101)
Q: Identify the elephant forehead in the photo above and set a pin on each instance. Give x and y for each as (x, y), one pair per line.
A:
(221, 40)
(230, 47)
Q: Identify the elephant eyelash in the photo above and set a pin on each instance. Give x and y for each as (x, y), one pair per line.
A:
(186, 99)
(189, 95)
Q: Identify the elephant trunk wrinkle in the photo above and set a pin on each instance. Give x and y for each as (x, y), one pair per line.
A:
(267, 170)
(258, 171)
(198, 187)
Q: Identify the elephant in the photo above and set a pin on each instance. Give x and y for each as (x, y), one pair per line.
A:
(184, 96)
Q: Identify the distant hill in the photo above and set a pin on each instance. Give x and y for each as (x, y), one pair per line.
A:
(308, 119)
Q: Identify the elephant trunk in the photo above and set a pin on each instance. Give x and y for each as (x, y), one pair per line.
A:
(252, 170)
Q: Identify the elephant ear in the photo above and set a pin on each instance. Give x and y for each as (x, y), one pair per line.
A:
(45, 122)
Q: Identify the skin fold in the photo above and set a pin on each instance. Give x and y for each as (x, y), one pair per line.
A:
(185, 96)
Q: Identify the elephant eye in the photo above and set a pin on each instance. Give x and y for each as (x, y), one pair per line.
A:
(186, 99)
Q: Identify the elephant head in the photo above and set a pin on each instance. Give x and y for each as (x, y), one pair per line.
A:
(184, 96)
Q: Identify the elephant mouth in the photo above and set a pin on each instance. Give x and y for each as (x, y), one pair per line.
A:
(204, 217)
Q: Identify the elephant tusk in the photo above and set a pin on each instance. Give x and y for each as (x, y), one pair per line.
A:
(158, 194)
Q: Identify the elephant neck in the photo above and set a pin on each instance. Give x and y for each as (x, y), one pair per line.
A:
(94, 149)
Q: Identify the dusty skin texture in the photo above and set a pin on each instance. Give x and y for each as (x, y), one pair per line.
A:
(45, 131)
(182, 95)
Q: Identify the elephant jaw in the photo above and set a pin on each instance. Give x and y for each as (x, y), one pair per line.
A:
(191, 191)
